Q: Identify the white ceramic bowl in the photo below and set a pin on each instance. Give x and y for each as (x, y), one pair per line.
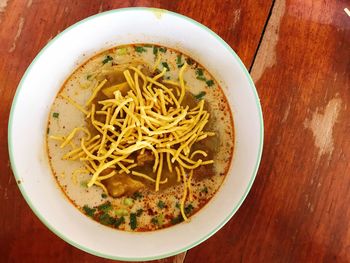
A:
(43, 79)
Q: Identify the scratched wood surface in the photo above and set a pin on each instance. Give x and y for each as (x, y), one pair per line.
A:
(25, 28)
(298, 209)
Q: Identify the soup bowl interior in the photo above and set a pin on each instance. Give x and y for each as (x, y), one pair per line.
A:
(47, 73)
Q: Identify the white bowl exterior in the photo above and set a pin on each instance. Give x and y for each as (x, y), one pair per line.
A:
(44, 78)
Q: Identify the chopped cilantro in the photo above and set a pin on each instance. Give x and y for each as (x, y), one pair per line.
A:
(188, 209)
(155, 50)
(88, 76)
(133, 221)
(162, 49)
(154, 220)
(210, 82)
(89, 211)
(137, 195)
(55, 114)
(158, 220)
(200, 75)
(165, 65)
(200, 95)
(106, 219)
(177, 205)
(107, 59)
(205, 190)
(177, 219)
(161, 204)
(189, 61)
(178, 59)
(199, 72)
(139, 212)
(119, 221)
(140, 49)
(103, 195)
(105, 207)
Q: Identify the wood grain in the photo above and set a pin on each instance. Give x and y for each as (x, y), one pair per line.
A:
(25, 28)
(298, 209)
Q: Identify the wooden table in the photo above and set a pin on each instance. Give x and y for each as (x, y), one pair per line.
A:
(298, 53)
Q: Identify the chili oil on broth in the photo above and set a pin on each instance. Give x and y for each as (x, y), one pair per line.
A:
(144, 209)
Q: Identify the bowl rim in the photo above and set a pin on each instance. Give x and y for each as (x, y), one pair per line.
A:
(87, 249)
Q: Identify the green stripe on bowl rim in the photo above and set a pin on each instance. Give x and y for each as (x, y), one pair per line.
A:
(96, 253)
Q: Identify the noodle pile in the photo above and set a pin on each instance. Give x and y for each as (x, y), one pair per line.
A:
(150, 116)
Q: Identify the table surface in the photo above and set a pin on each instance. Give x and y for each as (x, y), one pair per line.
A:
(298, 53)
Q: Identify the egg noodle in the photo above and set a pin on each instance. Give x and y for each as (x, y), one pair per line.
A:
(150, 116)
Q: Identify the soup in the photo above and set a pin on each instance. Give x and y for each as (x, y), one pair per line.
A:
(140, 137)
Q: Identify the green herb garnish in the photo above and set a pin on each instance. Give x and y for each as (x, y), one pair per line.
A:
(165, 65)
(161, 204)
(188, 209)
(155, 50)
(137, 195)
(107, 59)
(210, 82)
(133, 221)
(154, 221)
(177, 219)
(178, 59)
(88, 76)
(103, 195)
(105, 207)
(177, 205)
(199, 72)
(89, 211)
(140, 49)
(55, 114)
(162, 49)
(119, 221)
(200, 95)
(106, 219)
(158, 220)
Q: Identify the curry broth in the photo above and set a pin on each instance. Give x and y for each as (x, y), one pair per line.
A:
(144, 209)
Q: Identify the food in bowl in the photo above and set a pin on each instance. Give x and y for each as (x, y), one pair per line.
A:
(140, 137)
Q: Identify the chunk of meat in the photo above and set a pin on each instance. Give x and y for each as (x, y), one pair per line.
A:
(144, 158)
(121, 185)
